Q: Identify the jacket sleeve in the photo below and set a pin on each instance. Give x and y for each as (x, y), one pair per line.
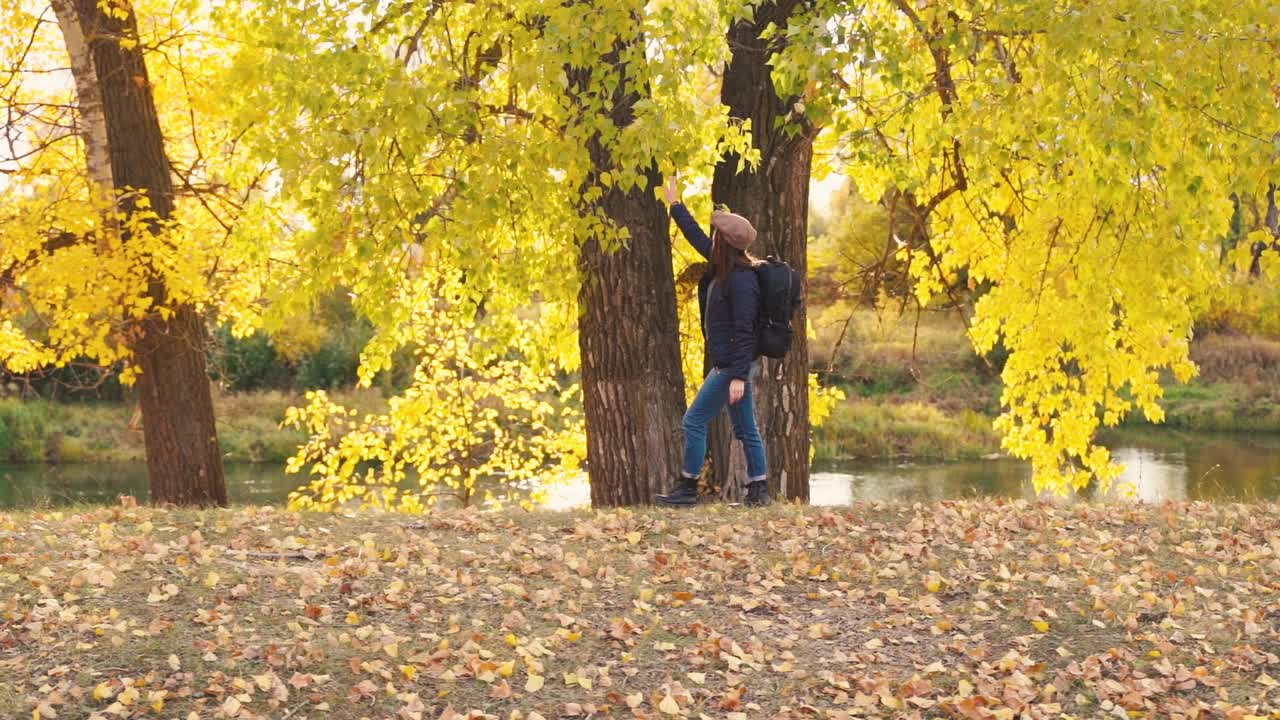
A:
(745, 306)
(691, 230)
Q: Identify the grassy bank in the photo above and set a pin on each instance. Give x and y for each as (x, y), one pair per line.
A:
(917, 389)
(1238, 389)
(958, 609)
(248, 428)
(868, 428)
(913, 390)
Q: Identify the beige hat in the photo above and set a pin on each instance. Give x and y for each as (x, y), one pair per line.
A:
(734, 228)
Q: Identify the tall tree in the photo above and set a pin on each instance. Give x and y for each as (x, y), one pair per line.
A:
(774, 195)
(531, 170)
(628, 332)
(127, 163)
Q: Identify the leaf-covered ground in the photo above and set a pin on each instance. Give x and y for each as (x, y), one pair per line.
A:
(975, 609)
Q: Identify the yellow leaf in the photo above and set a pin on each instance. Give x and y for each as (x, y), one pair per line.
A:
(102, 692)
(819, 631)
(933, 586)
(534, 684)
(507, 668)
(1041, 625)
(409, 671)
(391, 649)
(669, 705)
(128, 697)
(633, 537)
(353, 619)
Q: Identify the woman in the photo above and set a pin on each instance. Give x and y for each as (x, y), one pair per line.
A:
(728, 302)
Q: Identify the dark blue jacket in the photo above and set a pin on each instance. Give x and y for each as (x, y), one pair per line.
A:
(728, 314)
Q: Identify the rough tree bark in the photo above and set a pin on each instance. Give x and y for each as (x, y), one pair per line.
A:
(122, 132)
(775, 198)
(628, 332)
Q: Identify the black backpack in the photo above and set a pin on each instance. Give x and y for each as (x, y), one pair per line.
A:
(780, 287)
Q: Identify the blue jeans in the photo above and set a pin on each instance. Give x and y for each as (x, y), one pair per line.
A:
(713, 396)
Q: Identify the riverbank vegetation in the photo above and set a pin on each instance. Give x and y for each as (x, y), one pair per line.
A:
(249, 428)
(961, 609)
(913, 389)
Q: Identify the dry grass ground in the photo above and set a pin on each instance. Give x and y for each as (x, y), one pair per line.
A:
(974, 609)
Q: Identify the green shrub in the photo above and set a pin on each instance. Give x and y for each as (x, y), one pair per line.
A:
(333, 365)
(251, 363)
(22, 431)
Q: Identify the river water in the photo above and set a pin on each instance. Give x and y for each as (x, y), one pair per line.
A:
(1159, 465)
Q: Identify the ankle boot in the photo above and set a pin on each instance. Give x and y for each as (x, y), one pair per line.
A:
(757, 493)
(685, 492)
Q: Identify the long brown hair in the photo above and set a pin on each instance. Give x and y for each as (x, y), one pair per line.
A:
(725, 257)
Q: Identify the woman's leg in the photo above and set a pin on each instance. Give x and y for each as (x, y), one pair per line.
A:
(712, 396)
(744, 428)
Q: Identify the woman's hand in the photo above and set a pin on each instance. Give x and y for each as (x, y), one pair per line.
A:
(736, 388)
(672, 190)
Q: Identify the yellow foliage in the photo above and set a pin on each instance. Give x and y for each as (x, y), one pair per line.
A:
(471, 420)
(1069, 159)
(74, 271)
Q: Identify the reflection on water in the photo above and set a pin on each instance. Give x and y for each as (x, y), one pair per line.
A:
(46, 485)
(1159, 465)
(845, 483)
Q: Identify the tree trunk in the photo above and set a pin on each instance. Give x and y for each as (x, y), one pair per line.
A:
(775, 198)
(112, 86)
(1272, 219)
(628, 332)
(92, 126)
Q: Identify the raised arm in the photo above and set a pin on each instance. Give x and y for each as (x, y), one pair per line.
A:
(691, 230)
(689, 227)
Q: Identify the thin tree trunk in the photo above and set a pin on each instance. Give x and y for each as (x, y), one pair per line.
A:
(628, 332)
(92, 126)
(775, 197)
(183, 461)
(728, 465)
(1272, 219)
